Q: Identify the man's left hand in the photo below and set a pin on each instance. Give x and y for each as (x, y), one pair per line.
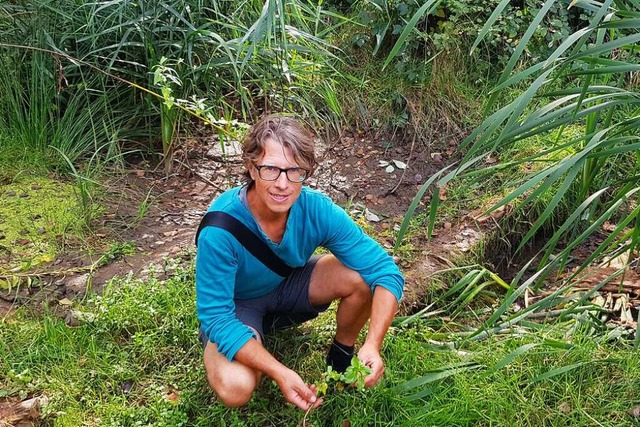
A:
(370, 357)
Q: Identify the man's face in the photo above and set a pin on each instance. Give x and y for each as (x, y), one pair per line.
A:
(275, 197)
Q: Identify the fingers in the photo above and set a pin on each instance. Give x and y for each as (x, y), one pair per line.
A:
(304, 398)
(375, 363)
(377, 369)
(319, 400)
(300, 394)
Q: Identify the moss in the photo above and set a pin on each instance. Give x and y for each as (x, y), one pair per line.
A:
(37, 215)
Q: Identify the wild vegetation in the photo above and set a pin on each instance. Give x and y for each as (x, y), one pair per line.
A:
(540, 98)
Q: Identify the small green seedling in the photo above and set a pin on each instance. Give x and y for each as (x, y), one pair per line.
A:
(355, 374)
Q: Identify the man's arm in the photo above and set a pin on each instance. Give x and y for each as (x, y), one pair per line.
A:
(383, 310)
(295, 390)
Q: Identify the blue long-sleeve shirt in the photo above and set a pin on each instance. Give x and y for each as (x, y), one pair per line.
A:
(226, 270)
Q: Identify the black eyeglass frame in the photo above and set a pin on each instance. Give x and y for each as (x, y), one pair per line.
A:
(286, 173)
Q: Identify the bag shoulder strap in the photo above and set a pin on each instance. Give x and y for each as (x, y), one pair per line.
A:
(247, 238)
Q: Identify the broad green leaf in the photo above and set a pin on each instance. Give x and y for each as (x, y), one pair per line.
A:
(614, 69)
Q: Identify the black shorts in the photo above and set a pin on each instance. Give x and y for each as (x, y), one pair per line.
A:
(285, 306)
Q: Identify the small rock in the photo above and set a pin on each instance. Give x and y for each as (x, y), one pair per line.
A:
(10, 193)
(447, 225)
(35, 187)
(41, 230)
(71, 320)
(33, 405)
(418, 177)
(78, 283)
(635, 411)
(24, 195)
(158, 243)
(170, 233)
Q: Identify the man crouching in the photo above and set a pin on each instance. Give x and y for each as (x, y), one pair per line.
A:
(240, 298)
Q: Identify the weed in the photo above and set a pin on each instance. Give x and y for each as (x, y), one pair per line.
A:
(143, 208)
(117, 251)
(354, 375)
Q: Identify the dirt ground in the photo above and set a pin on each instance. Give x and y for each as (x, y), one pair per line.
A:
(158, 215)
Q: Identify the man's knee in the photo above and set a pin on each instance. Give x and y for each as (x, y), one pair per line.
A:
(332, 280)
(233, 382)
(359, 287)
(234, 391)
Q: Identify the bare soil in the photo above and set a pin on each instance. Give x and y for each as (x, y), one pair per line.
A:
(160, 214)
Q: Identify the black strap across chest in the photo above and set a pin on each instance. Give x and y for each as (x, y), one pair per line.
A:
(247, 238)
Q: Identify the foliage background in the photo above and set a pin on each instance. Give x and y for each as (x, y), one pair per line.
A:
(542, 96)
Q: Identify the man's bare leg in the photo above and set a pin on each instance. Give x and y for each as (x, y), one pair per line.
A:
(233, 382)
(332, 280)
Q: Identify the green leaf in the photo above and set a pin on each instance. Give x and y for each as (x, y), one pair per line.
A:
(414, 204)
(425, 8)
(558, 371)
(487, 25)
(438, 375)
(512, 356)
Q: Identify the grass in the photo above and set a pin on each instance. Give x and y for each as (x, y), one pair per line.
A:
(39, 215)
(135, 360)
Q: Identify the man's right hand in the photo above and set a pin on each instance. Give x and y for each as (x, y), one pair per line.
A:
(297, 391)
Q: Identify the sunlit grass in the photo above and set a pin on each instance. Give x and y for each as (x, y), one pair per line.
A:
(39, 215)
(135, 359)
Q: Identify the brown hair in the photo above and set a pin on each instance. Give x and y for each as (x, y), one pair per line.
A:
(287, 132)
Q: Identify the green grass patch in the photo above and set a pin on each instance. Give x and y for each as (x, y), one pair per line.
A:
(135, 360)
(38, 216)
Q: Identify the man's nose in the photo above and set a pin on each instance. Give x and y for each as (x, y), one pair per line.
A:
(282, 181)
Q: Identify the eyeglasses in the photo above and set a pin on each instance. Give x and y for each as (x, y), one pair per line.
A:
(272, 173)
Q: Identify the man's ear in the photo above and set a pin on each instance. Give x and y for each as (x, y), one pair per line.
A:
(253, 172)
